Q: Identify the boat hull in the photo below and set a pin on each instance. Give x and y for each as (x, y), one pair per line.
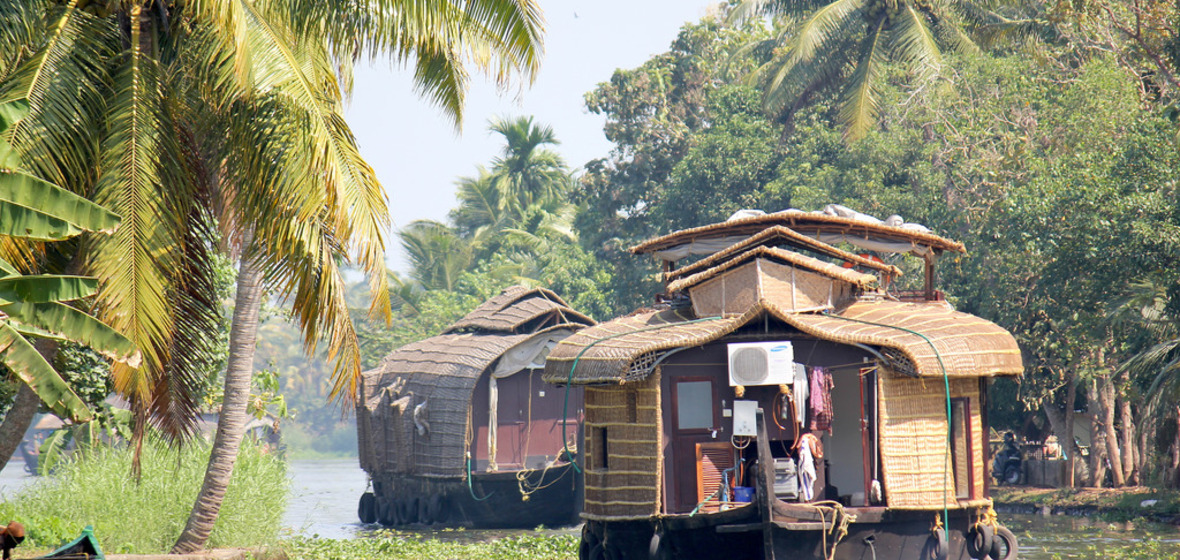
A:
(550, 497)
(739, 534)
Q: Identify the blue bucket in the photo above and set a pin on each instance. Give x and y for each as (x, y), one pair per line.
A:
(743, 494)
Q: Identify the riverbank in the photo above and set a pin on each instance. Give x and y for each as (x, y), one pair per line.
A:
(1158, 505)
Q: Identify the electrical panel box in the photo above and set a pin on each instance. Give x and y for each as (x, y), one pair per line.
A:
(745, 418)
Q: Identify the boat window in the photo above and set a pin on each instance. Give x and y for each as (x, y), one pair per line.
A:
(600, 448)
(694, 405)
(961, 447)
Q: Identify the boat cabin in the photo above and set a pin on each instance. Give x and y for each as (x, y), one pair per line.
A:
(784, 397)
(448, 421)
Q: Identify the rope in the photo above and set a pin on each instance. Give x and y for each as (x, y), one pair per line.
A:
(526, 489)
(840, 522)
(947, 384)
(570, 379)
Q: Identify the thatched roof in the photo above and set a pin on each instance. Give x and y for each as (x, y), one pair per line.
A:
(776, 236)
(625, 349)
(809, 223)
(442, 372)
(782, 256)
(515, 308)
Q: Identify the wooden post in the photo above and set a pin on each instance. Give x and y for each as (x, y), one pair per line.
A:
(929, 258)
(764, 487)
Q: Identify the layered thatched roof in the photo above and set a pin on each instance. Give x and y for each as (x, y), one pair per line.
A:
(926, 336)
(774, 236)
(809, 223)
(774, 254)
(440, 373)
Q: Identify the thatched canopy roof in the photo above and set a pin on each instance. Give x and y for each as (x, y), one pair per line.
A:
(920, 337)
(442, 372)
(775, 236)
(516, 308)
(825, 227)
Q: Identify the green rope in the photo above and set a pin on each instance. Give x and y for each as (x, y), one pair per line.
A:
(949, 430)
(569, 380)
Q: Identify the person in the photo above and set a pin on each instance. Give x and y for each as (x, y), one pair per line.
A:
(10, 536)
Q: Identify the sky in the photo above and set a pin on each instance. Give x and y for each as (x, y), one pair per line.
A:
(418, 154)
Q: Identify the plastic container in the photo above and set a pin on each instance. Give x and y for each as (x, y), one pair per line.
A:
(743, 494)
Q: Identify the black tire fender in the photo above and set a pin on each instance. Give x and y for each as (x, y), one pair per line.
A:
(366, 510)
(979, 540)
(589, 545)
(1004, 546)
(437, 509)
(936, 546)
(409, 511)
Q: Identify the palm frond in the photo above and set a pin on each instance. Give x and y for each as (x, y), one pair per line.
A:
(913, 43)
(823, 26)
(66, 86)
(21, 25)
(139, 263)
(858, 105)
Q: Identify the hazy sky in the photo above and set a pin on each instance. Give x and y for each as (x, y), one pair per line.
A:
(418, 154)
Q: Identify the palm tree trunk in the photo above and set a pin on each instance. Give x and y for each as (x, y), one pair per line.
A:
(17, 421)
(231, 423)
(24, 408)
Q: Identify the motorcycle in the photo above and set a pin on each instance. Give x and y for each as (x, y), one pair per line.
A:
(1007, 466)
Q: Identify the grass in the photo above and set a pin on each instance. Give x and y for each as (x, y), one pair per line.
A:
(146, 517)
(392, 545)
(1121, 503)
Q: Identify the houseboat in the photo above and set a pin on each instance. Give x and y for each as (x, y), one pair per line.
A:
(785, 399)
(460, 430)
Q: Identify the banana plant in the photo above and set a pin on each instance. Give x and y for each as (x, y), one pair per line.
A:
(35, 306)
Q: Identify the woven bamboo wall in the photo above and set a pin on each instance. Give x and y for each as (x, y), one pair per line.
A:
(915, 457)
(629, 488)
(791, 288)
(733, 292)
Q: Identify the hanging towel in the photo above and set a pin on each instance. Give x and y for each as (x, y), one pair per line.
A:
(800, 387)
(821, 399)
(806, 472)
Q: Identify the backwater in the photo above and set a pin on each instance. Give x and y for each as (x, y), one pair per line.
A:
(324, 494)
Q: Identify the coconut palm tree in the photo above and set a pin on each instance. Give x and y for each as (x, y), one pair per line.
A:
(527, 172)
(187, 116)
(844, 45)
(437, 253)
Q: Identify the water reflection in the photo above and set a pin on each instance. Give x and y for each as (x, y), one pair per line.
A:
(1065, 537)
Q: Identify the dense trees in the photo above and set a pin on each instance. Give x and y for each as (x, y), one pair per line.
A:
(1054, 166)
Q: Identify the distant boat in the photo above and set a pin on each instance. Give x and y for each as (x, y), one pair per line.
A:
(460, 430)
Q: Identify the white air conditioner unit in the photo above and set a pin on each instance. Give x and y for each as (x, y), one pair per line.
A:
(761, 363)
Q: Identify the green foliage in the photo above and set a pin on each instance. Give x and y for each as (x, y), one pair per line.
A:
(396, 546)
(144, 517)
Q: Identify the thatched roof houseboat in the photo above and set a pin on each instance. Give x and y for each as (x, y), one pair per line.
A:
(786, 401)
(459, 429)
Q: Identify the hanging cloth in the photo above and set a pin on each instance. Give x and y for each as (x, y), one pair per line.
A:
(821, 399)
(806, 471)
(800, 388)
